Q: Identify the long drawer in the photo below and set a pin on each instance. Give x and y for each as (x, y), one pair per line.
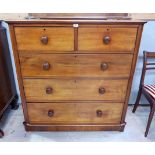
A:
(106, 39)
(75, 65)
(74, 113)
(47, 90)
(45, 38)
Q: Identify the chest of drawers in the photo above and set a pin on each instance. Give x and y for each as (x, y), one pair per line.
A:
(75, 74)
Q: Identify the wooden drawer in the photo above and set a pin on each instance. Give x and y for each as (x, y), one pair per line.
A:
(45, 38)
(73, 65)
(106, 39)
(74, 113)
(45, 90)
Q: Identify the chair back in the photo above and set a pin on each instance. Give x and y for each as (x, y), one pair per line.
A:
(147, 56)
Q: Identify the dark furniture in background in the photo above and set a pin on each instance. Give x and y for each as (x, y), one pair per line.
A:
(147, 90)
(8, 94)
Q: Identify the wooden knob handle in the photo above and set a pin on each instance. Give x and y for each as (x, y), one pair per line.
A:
(99, 113)
(49, 90)
(44, 39)
(104, 66)
(51, 113)
(106, 39)
(101, 90)
(46, 66)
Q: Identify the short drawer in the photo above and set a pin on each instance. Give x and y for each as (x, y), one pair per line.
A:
(74, 113)
(46, 90)
(45, 39)
(75, 65)
(106, 39)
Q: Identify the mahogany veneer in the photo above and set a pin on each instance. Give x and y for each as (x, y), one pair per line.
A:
(75, 74)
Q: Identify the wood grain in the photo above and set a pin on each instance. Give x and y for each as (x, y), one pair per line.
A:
(75, 65)
(59, 38)
(74, 89)
(18, 71)
(73, 113)
(75, 127)
(122, 39)
(62, 78)
(136, 50)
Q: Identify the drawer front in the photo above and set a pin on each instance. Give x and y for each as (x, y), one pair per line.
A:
(74, 113)
(107, 39)
(73, 65)
(45, 38)
(42, 90)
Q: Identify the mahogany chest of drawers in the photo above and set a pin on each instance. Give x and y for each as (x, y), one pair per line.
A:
(75, 74)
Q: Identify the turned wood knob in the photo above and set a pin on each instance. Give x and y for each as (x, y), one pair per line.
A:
(51, 113)
(104, 66)
(44, 39)
(49, 90)
(101, 90)
(106, 39)
(46, 66)
(99, 113)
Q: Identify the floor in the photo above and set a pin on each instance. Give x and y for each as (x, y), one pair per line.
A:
(134, 130)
